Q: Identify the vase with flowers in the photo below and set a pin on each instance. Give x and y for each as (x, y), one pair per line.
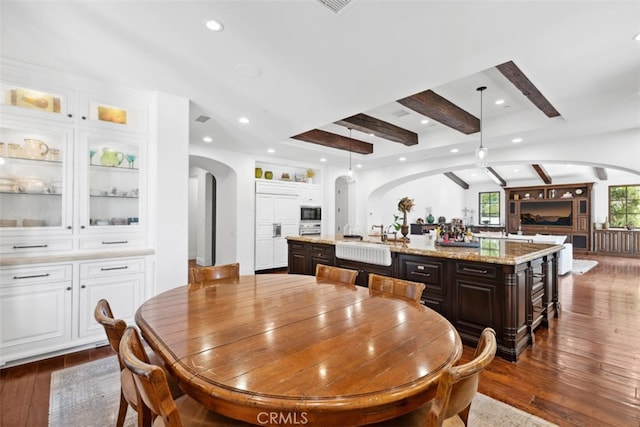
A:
(404, 206)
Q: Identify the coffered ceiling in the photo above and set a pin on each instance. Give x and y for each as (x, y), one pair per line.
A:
(310, 67)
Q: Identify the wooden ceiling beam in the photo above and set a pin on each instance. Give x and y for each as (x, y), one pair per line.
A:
(379, 128)
(455, 178)
(542, 173)
(328, 139)
(430, 104)
(601, 173)
(496, 177)
(511, 71)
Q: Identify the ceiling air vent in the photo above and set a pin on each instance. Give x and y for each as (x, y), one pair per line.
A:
(335, 5)
(202, 119)
(400, 113)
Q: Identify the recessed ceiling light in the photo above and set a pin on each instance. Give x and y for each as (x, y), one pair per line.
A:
(637, 37)
(424, 121)
(516, 140)
(516, 170)
(323, 159)
(371, 134)
(499, 101)
(271, 150)
(454, 150)
(402, 159)
(243, 120)
(207, 139)
(358, 165)
(214, 25)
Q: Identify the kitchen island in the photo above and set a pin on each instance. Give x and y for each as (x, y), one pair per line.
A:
(511, 286)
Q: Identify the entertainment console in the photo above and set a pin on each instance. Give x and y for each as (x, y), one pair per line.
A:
(552, 209)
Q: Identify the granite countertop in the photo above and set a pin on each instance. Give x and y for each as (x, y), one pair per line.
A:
(72, 256)
(492, 251)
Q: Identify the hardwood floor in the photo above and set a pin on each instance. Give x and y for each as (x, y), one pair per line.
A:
(582, 371)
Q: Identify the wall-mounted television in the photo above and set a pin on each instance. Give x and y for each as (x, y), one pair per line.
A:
(554, 213)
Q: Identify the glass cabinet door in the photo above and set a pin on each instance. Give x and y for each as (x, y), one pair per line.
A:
(35, 177)
(113, 182)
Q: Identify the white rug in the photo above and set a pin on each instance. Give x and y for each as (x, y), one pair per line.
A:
(87, 395)
(581, 266)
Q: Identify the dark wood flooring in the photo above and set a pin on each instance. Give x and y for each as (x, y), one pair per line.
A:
(582, 371)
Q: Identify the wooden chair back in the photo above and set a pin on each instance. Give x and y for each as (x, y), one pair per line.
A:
(336, 274)
(150, 380)
(113, 327)
(216, 272)
(395, 287)
(458, 385)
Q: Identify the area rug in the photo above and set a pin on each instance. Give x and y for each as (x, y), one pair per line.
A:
(581, 266)
(87, 395)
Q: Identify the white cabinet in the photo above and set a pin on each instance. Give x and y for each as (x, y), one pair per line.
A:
(73, 199)
(75, 161)
(276, 218)
(49, 308)
(35, 310)
(310, 195)
(118, 281)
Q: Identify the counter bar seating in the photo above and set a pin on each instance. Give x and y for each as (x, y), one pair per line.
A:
(201, 275)
(114, 329)
(151, 384)
(396, 287)
(336, 274)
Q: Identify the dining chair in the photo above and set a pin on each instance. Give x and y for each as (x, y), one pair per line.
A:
(457, 386)
(155, 396)
(114, 329)
(199, 275)
(396, 287)
(336, 274)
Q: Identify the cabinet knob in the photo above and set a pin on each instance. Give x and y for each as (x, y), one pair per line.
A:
(70, 115)
(82, 226)
(84, 118)
(68, 227)
(83, 286)
(68, 288)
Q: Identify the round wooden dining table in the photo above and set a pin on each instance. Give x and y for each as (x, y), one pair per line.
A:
(282, 349)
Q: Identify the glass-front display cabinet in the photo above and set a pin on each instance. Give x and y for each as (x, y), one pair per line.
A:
(35, 177)
(111, 193)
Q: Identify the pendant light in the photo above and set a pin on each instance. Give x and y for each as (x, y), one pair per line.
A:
(481, 152)
(350, 172)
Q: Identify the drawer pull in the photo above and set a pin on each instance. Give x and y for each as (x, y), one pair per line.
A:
(419, 273)
(124, 267)
(30, 246)
(121, 242)
(474, 270)
(34, 276)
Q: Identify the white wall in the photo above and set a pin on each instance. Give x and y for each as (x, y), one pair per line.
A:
(169, 185)
(193, 216)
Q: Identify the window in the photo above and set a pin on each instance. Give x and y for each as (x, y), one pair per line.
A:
(624, 205)
(489, 208)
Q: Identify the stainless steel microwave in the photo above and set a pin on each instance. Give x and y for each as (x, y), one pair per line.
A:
(310, 213)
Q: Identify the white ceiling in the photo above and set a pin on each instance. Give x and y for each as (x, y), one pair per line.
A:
(314, 67)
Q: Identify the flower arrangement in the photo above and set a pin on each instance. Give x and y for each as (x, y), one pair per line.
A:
(405, 205)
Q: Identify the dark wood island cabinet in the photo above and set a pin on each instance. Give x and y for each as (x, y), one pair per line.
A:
(511, 286)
